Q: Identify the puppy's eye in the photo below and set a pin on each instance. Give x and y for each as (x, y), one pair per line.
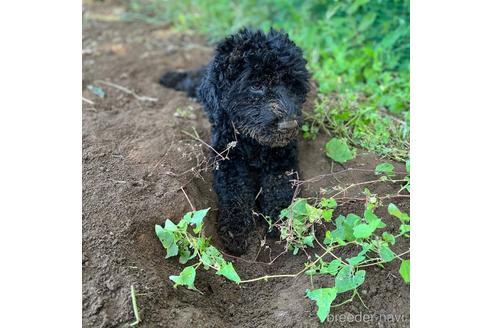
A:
(257, 88)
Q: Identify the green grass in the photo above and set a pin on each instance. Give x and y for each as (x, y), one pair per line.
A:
(358, 53)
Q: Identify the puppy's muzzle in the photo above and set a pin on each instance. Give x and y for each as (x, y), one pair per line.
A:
(287, 125)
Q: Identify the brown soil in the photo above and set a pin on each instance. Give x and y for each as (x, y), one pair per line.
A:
(135, 161)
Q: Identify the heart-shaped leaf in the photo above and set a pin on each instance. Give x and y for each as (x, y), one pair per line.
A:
(227, 270)
(338, 150)
(405, 270)
(165, 237)
(323, 298)
(385, 168)
(346, 280)
(185, 278)
(386, 253)
(395, 211)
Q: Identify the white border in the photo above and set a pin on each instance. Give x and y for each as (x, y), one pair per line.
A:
(40, 142)
(450, 153)
(40, 136)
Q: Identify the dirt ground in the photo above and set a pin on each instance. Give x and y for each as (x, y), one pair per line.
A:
(136, 159)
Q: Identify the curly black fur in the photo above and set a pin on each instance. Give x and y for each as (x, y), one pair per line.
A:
(187, 81)
(253, 91)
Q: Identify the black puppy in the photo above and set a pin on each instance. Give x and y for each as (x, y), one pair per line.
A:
(252, 91)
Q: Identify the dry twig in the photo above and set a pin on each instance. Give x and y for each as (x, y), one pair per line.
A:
(128, 91)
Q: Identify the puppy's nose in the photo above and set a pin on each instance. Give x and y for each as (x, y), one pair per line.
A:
(287, 125)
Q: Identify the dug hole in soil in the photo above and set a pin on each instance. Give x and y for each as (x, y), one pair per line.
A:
(136, 159)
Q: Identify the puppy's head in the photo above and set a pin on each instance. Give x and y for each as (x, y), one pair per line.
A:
(258, 82)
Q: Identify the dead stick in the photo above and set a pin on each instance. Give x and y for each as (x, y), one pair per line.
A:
(184, 192)
(88, 101)
(128, 91)
(203, 142)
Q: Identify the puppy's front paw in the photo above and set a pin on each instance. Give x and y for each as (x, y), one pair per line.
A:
(234, 234)
(235, 242)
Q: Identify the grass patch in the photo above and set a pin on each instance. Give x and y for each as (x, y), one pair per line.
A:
(358, 53)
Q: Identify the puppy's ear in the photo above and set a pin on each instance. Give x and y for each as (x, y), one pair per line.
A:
(231, 53)
(208, 94)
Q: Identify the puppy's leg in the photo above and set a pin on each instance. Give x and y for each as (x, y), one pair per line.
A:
(277, 190)
(235, 190)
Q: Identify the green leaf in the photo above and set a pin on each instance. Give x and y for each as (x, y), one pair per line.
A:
(366, 247)
(407, 166)
(338, 234)
(365, 230)
(367, 21)
(404, 228)
(328, 238)
(395, 211)
(385, 168)
(313, 213)
(323, 298)
(172, 250)
(212, 257)
(202, 244)
(227, 270)
(184, 256)
(355, 5)
(299, 206)
(310, 272)
(327, 215)
(386, 253)
(338, 150)
(370, 217)
(356, 260)
(185, 220)
(197, 216)
(349, 223)
(389, 237)
(328, 203)
(407, 185)
(308, 240)
(346, 280)
(331, 268)
(296, 209)
(405, 270)
(206, 260)
(351, 220)
(97, 91)
(165, 237)
(185, 278)
(170, 226)
(213, 252)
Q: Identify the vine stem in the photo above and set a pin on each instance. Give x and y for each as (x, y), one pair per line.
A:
(333, 174)
(271, 277)
(294, 275)
(381, 262)
(362, 184)
(346, 301)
